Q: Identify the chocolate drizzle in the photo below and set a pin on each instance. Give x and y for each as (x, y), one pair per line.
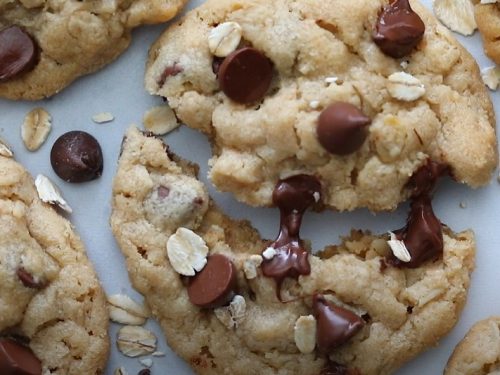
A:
(292, 196)
(422, 235)
(336, 325)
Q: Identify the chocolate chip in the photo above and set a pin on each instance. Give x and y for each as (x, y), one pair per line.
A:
(28, 280)
(336, 325)
(170, 71)
(144, 372)
(341, 128)
(16, 359)
(245, 75)
(19, 52)
(399, 29)
(163, 192)
(216, 62)
(215, 285)
(334, 368)
(423, 233)
(292, 196)
(76, 156)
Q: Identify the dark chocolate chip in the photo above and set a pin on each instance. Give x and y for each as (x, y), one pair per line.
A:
(16, 359)
(19, 52)
(170, 71)
(28, 280)
(334, 368)
(399, 29)
(341, 128)
(216, 62)
(146, 371)
(245, 75)
(163, 192)
(76, 156)
(292, 196)
(336, 325)
(215, 285)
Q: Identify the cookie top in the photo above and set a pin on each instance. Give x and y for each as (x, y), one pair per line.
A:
(310, 55)
(479, 351)
(162, 216)
(488, 22)
(50, 298)
(46, 44)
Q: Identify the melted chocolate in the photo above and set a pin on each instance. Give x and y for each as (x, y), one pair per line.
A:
(334, 368)
(423, 234)
(336, 325)
(292, 196)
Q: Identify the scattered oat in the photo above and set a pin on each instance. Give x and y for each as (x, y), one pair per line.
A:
(126, 303)
(331, 79)
(250, 266)
(103, 117)
(49, 193)
(134, 341)
(120, 371)
(489, 1)
(457, 15)
(5, 149)
(160, 120)
(187, 252)
(269, 253)
(36, 128)
(399, 248)
(158, 354)
(232, 315)
(305, 334)
(404, 86)
(146, 362)
(224, 38)
(491, 77)
(118, 315)
(314, 104)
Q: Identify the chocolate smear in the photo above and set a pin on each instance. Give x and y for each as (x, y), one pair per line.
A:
(17, 359)
(292, 196)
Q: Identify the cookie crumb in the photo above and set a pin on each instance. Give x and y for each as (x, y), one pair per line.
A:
(463, 204)
(158, 354)
(250, 266)
(491, 77)
(146, 362)
(103, 117)
(36, 128)
(314, 104)
(160, 120)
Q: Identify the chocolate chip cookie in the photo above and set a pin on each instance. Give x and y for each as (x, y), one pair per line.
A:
(358, 94)
(231, 302)
(53, 314)
(46, 44)
(479, 352)
(488, 22)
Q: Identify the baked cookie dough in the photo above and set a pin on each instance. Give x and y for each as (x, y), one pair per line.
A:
(166, 225)
(262, 104)
(488, 22)
(46, 44)
(53, 313)
(479, 352)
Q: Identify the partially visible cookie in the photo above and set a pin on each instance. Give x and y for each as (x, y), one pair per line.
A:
(479, 351)
(46, 44)
(53, 313)
(203, 275)
(488, 22)
(328, 88)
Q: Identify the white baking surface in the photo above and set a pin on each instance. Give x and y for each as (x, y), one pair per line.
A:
(119, 89)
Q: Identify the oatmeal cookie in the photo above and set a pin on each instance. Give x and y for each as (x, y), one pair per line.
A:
(479, 352)
(53, 314)
(357, 93)
(231, 302)
(46, 44)
(488, 22)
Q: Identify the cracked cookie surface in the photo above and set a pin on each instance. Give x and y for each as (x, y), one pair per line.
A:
(74, 38)
(479, 351)
(405, 310)
(323, 52)
(49, 292)
(488, 22)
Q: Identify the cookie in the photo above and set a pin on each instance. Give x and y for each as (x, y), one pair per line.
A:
(488, 22)
(479, 352)
(53, 313)
(231, 302)
(46, 44)
(329, 88)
